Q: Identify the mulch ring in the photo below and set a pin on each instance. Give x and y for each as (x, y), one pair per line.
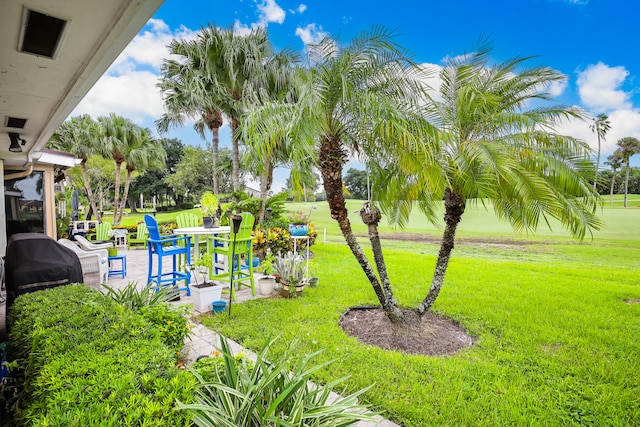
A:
(429, 335)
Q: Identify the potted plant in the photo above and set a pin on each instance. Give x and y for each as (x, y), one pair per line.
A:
(267, 282)
(209, 205)
(290, 268)
(313, 280)
(204, 291)
(299, 222)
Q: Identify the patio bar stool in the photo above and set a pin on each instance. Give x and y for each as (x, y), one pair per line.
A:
(160, 247)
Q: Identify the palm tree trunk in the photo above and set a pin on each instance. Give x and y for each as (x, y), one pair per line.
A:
(215, 152)
(265, 184)
(371, 216)
(613, 183)
(595, 179)
(116, 200)
(127, 183)
(87, 187)
(330, 161)
(235, 158)
(626, 185)
(454, 206)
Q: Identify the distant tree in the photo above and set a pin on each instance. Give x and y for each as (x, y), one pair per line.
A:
(142, 152)
(151, 182)
(191, 176)
(79, 136)
(356, 182)
(615, 161)
(628, 147)
(600, 127)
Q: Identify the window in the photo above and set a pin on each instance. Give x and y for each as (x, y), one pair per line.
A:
(24, 204)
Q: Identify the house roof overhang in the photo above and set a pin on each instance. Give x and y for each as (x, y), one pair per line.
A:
(45, 90)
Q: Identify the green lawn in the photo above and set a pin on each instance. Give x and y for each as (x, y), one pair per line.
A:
(556, 341)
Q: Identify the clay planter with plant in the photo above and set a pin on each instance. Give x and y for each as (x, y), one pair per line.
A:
(203, 291)
(267, 282)
(209, 206)
(290, 268)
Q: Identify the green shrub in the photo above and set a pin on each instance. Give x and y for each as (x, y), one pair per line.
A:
(83, 359)
(277, 393)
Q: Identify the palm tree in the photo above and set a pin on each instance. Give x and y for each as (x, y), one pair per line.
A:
(210, 79)
(628, 146)
(79, 136)
(189, 93)
(600, 127)
(490, 149)
(337, 99)
(142, 152)
(117, 133)
(615, 161)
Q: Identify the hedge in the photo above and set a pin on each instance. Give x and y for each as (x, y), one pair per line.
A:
(83, 359)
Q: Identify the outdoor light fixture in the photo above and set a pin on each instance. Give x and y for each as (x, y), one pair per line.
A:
(16, 143)
(268, 213)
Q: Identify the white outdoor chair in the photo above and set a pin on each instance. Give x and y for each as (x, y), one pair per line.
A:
(88, 246)
(95, 265)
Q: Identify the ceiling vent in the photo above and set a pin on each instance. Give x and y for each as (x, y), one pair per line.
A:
(41, 34)
(14, 122)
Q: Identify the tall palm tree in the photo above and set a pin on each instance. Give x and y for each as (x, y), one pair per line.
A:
(209, 80)
(142, 152)
(600, 127)
(338, 97)
(279, 86)
(615, 161)
(491, 148)
(628, 146)
(80, 137)
(117, 133)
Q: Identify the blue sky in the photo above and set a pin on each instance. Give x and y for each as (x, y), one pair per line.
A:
(593, 42)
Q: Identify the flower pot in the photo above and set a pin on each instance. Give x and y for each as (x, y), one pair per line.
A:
(219, 306)
(298, 229)
(209, 222)
(112, 251)
(313, 282)
(204, 294)
(266, 285)
(291, 291)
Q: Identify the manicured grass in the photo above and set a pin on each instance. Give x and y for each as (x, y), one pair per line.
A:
(478, 220)
(556, 343)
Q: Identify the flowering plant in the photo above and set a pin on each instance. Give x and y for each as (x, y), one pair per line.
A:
(209, 204)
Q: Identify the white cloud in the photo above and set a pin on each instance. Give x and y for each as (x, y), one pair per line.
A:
(557, 88)
(311, 34)
(128, 88)
(599, 87)
(269, 12)
(300, 9)
(133, 95)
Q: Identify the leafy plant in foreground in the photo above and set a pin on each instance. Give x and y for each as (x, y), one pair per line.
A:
(276, 393)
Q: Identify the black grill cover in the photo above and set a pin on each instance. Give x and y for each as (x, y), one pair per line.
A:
(35, 262)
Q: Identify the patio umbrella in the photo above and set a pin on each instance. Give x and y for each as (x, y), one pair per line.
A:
(74, 206)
